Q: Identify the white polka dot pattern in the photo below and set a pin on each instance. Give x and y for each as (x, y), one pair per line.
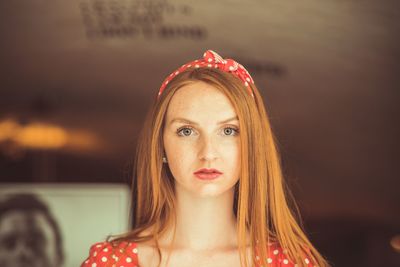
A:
(125, 254)
(103, 254)
(209, 57)
(278, 257)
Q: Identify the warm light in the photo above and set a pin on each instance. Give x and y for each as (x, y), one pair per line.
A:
(39, 135)
(8, 128)
(82, 140)
(395, 242)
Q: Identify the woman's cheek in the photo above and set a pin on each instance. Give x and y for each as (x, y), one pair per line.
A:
(180, 157)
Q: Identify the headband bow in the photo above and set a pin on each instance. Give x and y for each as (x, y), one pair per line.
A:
(212, 60)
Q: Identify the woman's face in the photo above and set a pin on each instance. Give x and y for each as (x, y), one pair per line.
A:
(197, 134)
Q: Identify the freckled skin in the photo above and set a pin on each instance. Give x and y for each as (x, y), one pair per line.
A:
(207, 145)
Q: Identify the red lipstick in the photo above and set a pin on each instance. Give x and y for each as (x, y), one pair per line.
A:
(207, 174)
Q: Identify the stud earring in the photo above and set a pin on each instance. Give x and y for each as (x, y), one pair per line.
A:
(164, 159)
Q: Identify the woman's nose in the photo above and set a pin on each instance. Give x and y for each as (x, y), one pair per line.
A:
(208, 149)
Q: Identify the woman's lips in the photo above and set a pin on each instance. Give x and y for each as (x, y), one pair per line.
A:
(207, 174)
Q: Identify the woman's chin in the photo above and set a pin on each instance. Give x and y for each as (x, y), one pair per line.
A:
(211, 191)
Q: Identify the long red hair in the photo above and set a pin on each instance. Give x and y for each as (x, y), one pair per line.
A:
(261, 195)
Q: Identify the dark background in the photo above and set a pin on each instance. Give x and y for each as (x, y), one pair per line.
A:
(77, 77)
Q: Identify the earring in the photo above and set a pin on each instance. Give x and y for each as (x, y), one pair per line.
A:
(164, 159)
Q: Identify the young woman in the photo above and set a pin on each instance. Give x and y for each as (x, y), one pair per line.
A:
(208, 188)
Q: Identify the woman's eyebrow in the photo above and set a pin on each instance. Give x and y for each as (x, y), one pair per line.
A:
(183, 120)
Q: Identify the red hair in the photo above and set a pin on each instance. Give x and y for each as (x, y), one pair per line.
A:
(261, 195)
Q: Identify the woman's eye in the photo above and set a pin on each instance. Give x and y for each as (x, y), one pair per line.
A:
(229, 130)
(185, 131)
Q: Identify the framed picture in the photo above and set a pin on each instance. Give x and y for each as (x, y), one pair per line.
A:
(51, 225)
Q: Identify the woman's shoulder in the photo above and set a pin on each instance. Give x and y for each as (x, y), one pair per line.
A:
(277, 256)
(112, 254)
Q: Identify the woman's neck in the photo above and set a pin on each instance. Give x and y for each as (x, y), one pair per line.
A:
(203, 223)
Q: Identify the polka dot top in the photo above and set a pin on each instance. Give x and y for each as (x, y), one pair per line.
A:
(102, 254)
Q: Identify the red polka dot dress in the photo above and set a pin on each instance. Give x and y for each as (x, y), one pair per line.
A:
(102, 254)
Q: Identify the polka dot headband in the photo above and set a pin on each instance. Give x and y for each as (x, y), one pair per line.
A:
(212, 60)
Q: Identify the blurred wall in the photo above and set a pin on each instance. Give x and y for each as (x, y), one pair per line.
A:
(77, 78)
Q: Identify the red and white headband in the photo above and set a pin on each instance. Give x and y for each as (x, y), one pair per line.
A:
(212, 60)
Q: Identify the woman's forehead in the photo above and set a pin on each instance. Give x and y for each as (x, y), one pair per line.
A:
(200, 98)
(201, 114)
